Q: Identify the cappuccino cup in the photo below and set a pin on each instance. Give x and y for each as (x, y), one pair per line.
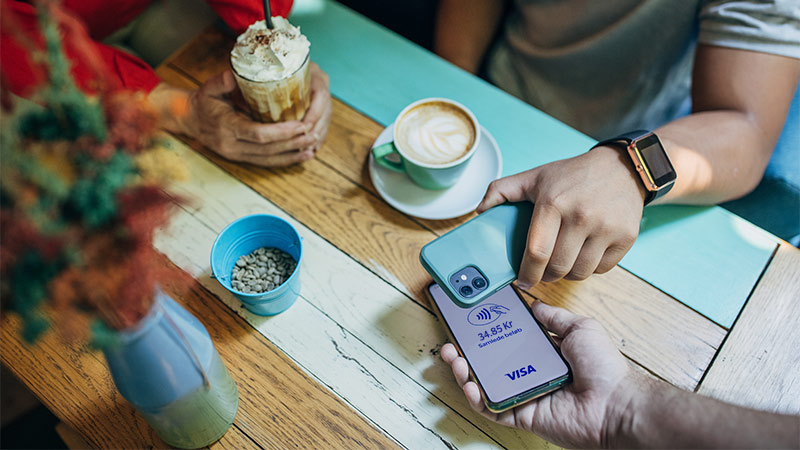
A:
(433, 141)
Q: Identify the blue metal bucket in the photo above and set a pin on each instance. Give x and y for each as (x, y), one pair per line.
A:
(242, 237)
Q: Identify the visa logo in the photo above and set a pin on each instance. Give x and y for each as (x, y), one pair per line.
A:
(521, 372)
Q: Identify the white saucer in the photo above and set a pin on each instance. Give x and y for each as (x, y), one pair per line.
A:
(399, 191)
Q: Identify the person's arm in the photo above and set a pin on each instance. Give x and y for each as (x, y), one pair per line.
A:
(657, 415)
(464, 30)
(240, 14)
(93, 66)
(739, 104)
(608, 404)
(588, 208)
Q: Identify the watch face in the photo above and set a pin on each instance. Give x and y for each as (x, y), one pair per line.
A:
(655, 160)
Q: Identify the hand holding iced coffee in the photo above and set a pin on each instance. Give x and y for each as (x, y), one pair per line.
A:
(271, 69)
(208, 114)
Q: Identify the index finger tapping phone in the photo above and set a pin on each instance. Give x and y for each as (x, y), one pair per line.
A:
(510, 355)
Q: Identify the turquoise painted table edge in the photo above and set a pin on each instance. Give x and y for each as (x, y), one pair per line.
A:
(705, 257)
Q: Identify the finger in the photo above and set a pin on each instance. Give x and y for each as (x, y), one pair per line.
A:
(588, 259)
(320, 131)
(449, 353)
(542, 236)
(508, 189)
(568, 245)
(473, 394)
(241, 148)
(320, 97)
(219, 85)
(460, 370)
(557, 320)
(611, 257)
(475, 400)
(318, 74)
(279, 160)
(264, 133)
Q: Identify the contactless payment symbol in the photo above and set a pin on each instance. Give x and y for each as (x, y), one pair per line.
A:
(485, 314)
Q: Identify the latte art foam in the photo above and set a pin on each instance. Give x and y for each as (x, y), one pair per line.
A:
(435, 133)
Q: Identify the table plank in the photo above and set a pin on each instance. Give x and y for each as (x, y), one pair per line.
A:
(382, 344)
(207, 56)
(653, 329)
(76, 386)
(678, 245)
(279, 405)
(757, 365)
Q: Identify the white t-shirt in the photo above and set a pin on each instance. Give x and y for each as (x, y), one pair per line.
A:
(606, 67)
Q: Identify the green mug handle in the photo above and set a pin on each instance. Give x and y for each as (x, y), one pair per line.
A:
(382, 151)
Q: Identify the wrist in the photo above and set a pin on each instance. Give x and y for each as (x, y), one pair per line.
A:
(626, 406)
(618, 166)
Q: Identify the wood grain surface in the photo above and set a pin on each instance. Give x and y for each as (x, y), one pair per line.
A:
(354, 363)
(759, 363)
(382, 344)
(653, 329)
(76, 385)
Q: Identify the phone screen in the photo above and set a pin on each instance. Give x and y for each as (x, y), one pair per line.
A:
(505, 347)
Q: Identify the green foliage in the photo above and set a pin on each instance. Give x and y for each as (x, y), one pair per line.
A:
(93, 198)
(31, 275)
(102, 335)
(69, 115)
(68, 160)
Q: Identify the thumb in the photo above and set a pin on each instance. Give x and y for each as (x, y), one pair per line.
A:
(509, 189)
(220, 84)
(558, 320)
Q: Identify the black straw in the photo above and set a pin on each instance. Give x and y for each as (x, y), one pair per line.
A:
(267, 14)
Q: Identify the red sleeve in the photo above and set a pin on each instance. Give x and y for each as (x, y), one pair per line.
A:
(92, 63)
(240, 14)
(103, 17)
(128, 71)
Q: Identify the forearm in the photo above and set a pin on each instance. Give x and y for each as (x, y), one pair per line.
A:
(464, 30)
(739, 104)
(659, 415)
(718, 156)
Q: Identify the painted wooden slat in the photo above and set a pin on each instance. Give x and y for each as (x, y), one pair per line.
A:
(280, 406)
(759, 362)
(683, 237)
(388, 243)
(76, 386)
(351, 330)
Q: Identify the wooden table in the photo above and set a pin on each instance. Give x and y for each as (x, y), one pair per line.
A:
(355, 361)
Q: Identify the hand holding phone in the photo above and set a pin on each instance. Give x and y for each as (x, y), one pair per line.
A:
(509, 354)
(574, 416)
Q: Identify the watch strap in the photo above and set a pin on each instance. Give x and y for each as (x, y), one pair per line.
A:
(625, 140)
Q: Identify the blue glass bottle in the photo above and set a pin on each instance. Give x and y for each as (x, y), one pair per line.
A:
(168, 368)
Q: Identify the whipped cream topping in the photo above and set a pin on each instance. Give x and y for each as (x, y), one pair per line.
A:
(435, 134)
(261, 54)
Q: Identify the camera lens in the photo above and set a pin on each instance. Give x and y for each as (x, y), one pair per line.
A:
(466, 291)
(479, 283)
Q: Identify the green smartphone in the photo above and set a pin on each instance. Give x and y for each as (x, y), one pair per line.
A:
(510, 355)
(481, 256)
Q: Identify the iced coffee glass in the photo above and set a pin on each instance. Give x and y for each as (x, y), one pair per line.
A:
(271, 67)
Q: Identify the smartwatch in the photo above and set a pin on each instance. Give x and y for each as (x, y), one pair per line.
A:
(649, 159)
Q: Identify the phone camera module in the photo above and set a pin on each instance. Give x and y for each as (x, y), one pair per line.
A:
(479, 283)
(468, 282)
